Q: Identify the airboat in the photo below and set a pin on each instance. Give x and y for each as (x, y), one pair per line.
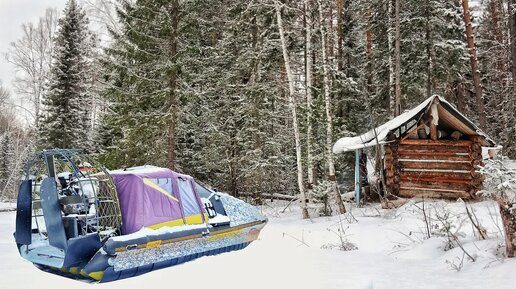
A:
(79, 220)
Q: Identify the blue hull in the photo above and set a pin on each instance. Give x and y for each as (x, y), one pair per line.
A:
(110, 274)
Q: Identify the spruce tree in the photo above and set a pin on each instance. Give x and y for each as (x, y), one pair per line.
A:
(67, 102)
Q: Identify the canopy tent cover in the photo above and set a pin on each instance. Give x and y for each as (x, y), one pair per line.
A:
(157, 197)
(445, 113)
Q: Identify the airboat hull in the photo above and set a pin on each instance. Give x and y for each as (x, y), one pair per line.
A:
(136, 259)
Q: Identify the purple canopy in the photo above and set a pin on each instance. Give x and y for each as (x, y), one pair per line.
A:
(157, 197)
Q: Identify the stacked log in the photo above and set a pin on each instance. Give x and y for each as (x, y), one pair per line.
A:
(476, 156)
(434, 168)
(392, 168)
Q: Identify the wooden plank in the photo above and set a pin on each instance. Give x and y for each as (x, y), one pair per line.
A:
(443, 179)
(436, 166)
(451, 156)
(428, 148)
(437, 158)
(449, 175)
(419, 184)
(447, 143)
(443, 194)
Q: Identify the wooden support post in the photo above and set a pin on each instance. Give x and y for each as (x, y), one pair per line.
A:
(433, 130)
(434, 119)
(358, 154)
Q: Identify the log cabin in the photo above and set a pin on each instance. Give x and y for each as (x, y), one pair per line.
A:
(432, 151)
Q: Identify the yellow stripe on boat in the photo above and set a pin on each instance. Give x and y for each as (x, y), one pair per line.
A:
(194, 219)
(224, 235)
(96, 275)
(159, 189)
(171, 223)
(190, 220)
(153, 244)
(74, 270)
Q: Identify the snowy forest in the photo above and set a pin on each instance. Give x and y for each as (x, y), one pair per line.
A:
(249, 96)
(373, 141)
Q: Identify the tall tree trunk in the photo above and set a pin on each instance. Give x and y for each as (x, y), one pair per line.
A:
(292, 105)
(390, 40)
(500, 36)
(172, 98)
(369, 52)
(474, 65)
(512, 31)
(509, 224)
(308, 92)
(502, 97)
(397, 89)
(329, 125)
(340, 60)
(428, 53)
(461, 102)
(330, 36)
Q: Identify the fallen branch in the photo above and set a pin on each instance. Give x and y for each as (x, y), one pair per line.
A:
(276, 196)
(300, 241)
(482, 232)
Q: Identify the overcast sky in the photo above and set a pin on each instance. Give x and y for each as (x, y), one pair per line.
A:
(13, 13)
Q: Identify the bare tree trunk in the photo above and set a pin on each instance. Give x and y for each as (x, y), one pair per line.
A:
(512, 31)
(428, 54)
(330, 37)
(308, 91)
(502, 97)
(329, 125)
(339, 36)
(172, 98)
(509, 224)
(369, 52)
(461, 103)
(500, 36)
(292, 105)
(397, 89)
(390, 39)
(474, 65)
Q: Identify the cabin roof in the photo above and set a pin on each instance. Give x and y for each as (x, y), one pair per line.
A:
(448, 117)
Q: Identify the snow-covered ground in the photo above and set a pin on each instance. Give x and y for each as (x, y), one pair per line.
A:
(392, 252)
(7, 206)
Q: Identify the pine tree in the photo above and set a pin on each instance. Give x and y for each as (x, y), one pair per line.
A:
(65, 120)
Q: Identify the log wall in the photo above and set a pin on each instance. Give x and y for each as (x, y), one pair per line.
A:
(434, 168)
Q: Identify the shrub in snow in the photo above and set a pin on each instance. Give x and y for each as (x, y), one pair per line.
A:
(321, 194)
(500, 180)
(344, 244)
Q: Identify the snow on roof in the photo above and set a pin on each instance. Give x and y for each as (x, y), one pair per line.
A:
(368, 139)
(379, 135)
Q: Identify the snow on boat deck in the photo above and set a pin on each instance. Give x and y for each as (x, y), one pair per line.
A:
(385, 257)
